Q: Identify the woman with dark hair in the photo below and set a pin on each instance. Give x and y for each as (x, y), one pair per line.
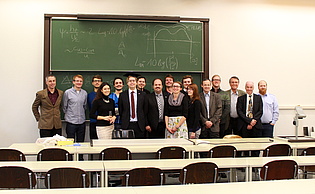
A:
(194, 110)
(105, 109)
(176, 112)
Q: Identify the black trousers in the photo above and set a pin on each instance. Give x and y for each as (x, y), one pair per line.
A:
(49, 132)
(139, 134)
(159, 132)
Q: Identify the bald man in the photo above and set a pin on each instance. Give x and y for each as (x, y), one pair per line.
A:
(250, 109)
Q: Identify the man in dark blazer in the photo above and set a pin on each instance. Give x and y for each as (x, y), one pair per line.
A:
(250, 110)
(210, 111)
(49, 102)
(230, 116)
(155, 124)
(132, 118)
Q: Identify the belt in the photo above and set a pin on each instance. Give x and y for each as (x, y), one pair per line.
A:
(266, 123)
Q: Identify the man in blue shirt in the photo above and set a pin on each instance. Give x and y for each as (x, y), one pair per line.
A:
(96, 82)
(270, 110)
(74, 105)
(118, 85)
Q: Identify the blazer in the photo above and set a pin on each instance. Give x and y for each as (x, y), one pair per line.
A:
(257, 111)
(228, 110)
(215, 110)
(152, 110)
(124, 109)
(49, 115)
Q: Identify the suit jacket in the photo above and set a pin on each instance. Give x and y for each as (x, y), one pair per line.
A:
(49, 115)
(215, 110)
(228, 108)
(124, 109)
(241, 107)
(152, 110)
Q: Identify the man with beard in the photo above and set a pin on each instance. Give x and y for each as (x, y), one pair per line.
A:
(118, 85)
(154, 109)
(270, 110)
(224, 124)
(96, 82)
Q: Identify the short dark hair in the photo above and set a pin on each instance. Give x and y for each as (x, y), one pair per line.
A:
(97, 77)
(234, 77)
(118, 78)
(206, 79)
(157, 79)
(50, 75)
(170, 76)
(139, 77)
(188, 76)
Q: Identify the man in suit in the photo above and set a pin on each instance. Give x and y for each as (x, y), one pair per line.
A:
(250, 110)
(232, 117)
(154, 109)
(131, 108)
(96, 82)
(216, 81)
(211, 110)
(49, 102)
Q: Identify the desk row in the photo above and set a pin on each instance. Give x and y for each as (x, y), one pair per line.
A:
(105, 168)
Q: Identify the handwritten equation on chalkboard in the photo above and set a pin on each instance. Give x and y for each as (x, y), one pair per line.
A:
(116, 46)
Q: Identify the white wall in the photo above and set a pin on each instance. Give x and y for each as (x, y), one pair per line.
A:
(253, 39)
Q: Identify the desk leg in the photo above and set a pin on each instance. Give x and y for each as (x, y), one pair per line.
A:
(295, 151)
(104, 177)
(249, 174)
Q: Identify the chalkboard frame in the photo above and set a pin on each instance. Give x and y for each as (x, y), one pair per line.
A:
(47, 33)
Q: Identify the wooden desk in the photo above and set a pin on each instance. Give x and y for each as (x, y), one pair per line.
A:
(31, 149)
(45, 166)
(242, 144)
(134, 149)
(258, 187)
(255, 162)
(144, 142)
(172, 164)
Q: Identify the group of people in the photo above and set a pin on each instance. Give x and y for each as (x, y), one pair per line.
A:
(173, 110)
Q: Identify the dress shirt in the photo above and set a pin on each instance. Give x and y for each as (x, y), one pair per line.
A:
(53, 96)
(270, 108)
(135, 98)
(74, 105)
(234, 97)
(207, 99)
(160, 96)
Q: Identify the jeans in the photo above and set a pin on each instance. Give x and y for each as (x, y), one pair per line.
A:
(267, 130)
(76, 131)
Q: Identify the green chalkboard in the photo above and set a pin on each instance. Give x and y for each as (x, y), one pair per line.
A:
(86, 45)
(64, 79)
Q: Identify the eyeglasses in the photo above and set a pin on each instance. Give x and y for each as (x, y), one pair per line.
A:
(176, 86)
(216, 80)
(97, 80)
